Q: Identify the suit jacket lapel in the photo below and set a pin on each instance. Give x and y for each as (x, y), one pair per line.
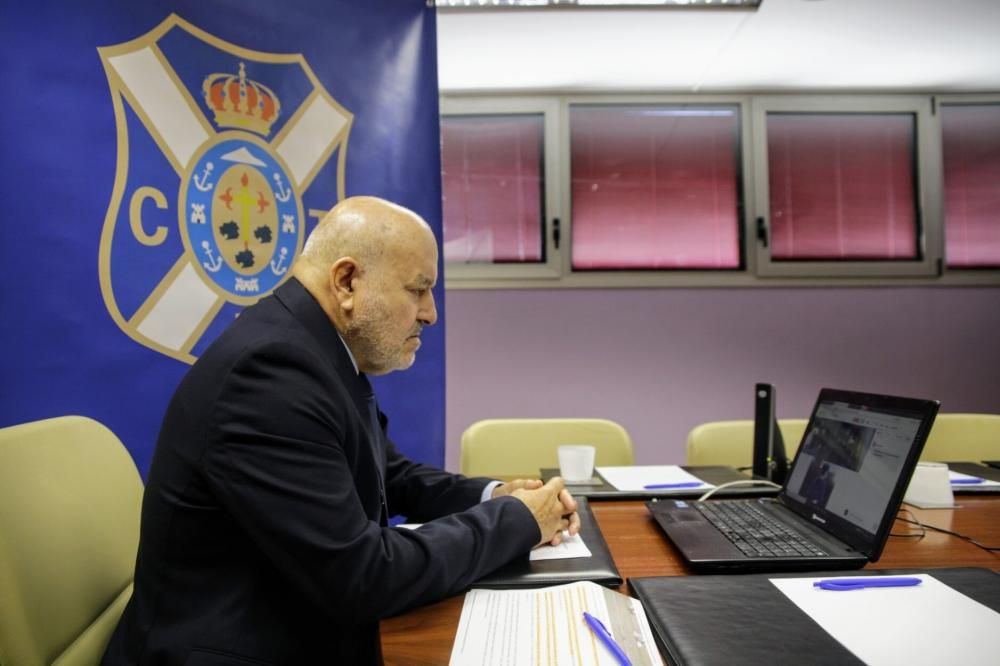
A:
(304, 307)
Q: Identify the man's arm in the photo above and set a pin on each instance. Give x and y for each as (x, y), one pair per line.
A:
(422, 492)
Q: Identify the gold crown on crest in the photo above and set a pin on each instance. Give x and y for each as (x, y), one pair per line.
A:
(240, 102)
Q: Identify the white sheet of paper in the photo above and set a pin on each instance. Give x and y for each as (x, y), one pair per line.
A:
(546, 626)
(638, 476)
(930, 623)
(569, 547)
(952, 476)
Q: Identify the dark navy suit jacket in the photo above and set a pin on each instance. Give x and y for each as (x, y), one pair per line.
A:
(264, 539)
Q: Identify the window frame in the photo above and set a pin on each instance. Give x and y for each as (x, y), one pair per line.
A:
(743, 192)
(652, 278)
(557, 271)
(928, 205)
(968, 274)
(551, 267)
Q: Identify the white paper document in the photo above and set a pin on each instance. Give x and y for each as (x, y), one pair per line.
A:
(568, 548)
(545, 627)
(963, 481)
(638, 477)
(929, 623)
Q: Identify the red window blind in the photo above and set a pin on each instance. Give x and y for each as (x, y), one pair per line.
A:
(842, 186)
(971, 144)
(655, 187)
(491, 172)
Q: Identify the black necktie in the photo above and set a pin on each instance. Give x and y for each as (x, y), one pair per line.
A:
(378, 449)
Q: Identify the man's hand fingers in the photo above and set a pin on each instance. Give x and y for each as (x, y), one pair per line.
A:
(554, 509)
(558, 538)
(567, 501)
(556, 485)
(517, 484)
(574, 524)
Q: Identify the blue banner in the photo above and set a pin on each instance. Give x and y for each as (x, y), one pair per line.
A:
(163, 163)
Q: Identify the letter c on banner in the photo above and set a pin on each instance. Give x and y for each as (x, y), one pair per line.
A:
(135, 215)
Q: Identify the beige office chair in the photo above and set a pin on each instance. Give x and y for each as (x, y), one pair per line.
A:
(730, 443)
(518, 448)
(953, 437)
(70, 497)
(963, 437)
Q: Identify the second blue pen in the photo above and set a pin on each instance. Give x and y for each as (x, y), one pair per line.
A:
(680, 484)
(605, 637)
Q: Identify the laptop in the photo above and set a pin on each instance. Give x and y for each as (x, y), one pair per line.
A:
(836, 506)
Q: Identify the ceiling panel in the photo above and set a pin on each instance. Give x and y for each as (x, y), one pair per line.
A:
(885, 45)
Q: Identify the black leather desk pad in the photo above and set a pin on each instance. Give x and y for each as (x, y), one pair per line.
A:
(713, 474)
(745, 619)
(599, 568)
(974, 469)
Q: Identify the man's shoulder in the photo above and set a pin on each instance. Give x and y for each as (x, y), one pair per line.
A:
(260, 325)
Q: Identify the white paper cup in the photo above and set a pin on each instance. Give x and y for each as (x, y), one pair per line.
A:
(930, 487)
(576, 462)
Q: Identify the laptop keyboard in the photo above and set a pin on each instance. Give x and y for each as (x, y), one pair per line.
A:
(754, 532)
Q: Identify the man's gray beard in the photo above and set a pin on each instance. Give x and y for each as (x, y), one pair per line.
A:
(367, 340)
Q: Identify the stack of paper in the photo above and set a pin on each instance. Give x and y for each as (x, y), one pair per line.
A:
(546, 627)
(645, 478)
(929, 623)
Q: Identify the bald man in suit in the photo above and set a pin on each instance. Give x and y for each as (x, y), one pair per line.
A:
(265, 536)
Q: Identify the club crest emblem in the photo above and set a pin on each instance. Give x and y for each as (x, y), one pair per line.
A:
(220, 152)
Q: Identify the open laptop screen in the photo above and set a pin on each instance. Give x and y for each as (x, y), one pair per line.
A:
(848, 473)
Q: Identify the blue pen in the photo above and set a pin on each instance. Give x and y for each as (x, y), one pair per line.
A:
(682, 484)
(604, 636)
(969, 481)
(848, 584)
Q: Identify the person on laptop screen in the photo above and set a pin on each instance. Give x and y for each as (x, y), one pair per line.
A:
(850, 461)
(818, 484)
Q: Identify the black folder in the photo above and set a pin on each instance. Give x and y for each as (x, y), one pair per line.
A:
(713, 474)
(975, 469)
(707, 620)
(599, 568)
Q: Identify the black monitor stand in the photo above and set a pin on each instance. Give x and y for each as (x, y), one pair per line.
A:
(769, 459)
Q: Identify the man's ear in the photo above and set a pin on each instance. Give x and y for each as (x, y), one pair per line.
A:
(343, 273)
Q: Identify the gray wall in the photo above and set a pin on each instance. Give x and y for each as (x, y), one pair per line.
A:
(660, 361)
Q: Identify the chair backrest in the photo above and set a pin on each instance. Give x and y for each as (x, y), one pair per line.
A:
(964, 437)
(518, 448)
(70, 499)
(730, 443)
(954, 437)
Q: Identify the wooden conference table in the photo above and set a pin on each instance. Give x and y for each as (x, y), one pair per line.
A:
(639, 548)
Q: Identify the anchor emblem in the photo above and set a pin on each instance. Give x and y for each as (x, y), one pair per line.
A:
(214, 263)
(281, 194)
(279, 269)
(202, 183)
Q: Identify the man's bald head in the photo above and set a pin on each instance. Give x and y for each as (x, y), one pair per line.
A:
(371, 265)
(365, 228)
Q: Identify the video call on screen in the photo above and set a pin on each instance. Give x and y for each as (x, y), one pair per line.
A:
(850, 461)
